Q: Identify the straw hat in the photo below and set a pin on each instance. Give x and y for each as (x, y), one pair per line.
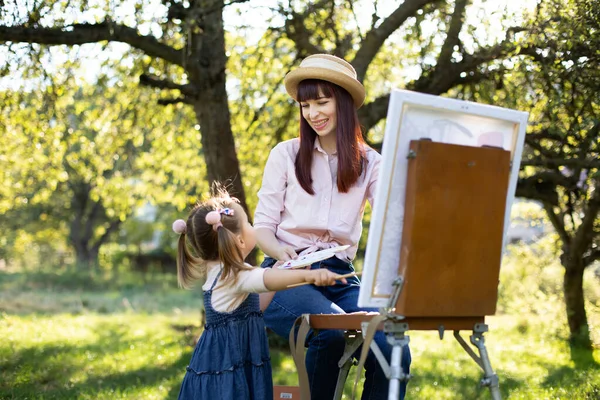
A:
(327, 68)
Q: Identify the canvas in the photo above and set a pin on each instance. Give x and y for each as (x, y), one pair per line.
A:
(414, 116)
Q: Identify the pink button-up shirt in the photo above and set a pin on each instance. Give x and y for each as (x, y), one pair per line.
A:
(326, 219)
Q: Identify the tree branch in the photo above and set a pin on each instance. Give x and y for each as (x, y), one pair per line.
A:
(477, 76)
(375, 38)
(536, 188)
(438, 81)
(370, 114)
(297, 31)
(181, 12)
(558, 162)
(156, 82)
(92, 33)
(452, 39)
(585, 231)
(591, 258)
(545, 134)
(166, 102)
(558, 224)
(111, 228)
(91, 218)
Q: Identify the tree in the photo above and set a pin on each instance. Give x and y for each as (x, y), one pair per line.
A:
(183, 52)
(84, 158)
(183, 49)
(433, 40)
(560, 85)
(565, 143)
(447, 56)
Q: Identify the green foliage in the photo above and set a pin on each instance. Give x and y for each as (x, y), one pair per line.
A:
(72, 147)
(262, 113)
(555, 75)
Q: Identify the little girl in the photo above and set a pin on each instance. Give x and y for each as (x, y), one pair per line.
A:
(231, 359)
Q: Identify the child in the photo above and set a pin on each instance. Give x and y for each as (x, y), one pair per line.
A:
(231, 359)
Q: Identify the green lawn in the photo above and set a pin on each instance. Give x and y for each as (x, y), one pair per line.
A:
(68, 337)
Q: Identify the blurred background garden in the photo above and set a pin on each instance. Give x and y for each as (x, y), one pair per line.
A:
(117, 115)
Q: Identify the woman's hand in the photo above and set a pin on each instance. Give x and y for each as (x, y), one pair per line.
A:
(286, 253)
(323, 277)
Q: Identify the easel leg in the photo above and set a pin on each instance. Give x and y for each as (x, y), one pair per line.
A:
(490, 379)
(396, 337)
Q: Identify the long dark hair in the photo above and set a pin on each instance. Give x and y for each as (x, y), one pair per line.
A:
(349, 140)
(201, 243)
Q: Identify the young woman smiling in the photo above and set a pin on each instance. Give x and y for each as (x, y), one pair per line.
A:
(312, 197)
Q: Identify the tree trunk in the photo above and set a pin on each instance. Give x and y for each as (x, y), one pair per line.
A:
(86, 257)
(207, 70)
(218, 144)
(575, 302)
(87, 215)
(219, 147)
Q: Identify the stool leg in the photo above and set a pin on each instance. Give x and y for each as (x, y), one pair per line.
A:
(342, 376)
(353, 342)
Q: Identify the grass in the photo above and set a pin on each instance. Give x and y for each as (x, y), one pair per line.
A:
(68, 336)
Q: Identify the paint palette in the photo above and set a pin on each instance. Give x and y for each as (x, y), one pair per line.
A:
(308, 259)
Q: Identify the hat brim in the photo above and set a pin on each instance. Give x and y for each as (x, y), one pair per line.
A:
(353, 86)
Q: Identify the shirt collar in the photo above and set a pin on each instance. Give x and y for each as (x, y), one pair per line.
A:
(317, 146)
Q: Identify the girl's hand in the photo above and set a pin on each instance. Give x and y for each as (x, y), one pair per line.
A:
(324, 277)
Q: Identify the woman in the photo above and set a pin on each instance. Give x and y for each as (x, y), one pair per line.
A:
(312, 197)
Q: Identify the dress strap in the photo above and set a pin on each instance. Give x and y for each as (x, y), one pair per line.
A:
(216, 279)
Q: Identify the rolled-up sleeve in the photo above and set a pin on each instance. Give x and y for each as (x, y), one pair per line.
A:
(271, 195)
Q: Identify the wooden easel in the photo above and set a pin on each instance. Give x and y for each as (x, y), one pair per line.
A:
(449, 260)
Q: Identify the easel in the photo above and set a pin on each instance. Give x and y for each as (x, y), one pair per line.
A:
(449, 262)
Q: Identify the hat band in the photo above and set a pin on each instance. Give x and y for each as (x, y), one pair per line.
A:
(327, 64)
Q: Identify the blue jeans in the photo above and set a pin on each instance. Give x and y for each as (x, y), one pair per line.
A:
(327, 347)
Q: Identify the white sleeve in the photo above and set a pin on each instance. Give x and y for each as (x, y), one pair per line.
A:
(228, 297)
(251, 281)
(271, 195)
(372, 186)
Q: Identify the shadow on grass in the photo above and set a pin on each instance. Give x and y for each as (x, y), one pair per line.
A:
(463, 387)
(76, 292)
(55, 371)
(582, 357)
(577, 376)
(73, 279)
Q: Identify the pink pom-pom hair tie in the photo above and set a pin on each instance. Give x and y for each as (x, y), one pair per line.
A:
(214, 217)
(179, 226)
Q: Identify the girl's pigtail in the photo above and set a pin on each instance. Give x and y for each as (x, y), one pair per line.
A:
(187, 271)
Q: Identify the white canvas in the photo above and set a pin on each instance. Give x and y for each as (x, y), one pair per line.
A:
(413, 116)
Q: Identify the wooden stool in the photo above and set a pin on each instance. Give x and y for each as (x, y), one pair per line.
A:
(355, 325)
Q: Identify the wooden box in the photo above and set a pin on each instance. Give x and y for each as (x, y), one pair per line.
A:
(286, 392)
